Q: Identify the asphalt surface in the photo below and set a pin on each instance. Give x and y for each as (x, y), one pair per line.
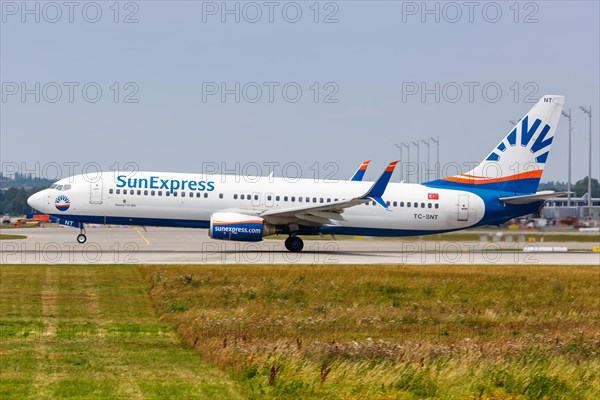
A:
(132, 245)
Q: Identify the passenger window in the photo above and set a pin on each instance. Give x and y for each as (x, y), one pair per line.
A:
(372, 203)
(249, 197)
(416, 205)
(401, 204)
(206, 195)
(422, 205)
(269, 197)
(235, 196)
(407, 204)
(388, 203)
(191, 194)
(118, 191)
(255, 197)
(314, 199)
(437, 205)
(124, 191)
(167, 193)
(395, 204)
(276, 198)
(335, 199)
(145, 193)
(220, 195)
(242, 197)
(329, 200)
(110, 191)
(152, 193)
(307, 199)
(160, 192)
(300, 199)
(197, 194)
(182, 194)
(285, 198)
(293, 199)
(139, 192)
(174, 194)
(428, 205)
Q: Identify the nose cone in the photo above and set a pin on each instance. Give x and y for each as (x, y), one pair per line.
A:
(36, 200)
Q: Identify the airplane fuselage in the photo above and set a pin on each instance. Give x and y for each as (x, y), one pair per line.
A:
(189, 200)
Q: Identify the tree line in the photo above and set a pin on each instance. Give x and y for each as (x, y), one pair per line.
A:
(13, 201)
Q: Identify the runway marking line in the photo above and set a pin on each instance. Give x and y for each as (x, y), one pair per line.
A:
(141, 235)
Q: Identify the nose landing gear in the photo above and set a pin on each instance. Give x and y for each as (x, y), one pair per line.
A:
(81, 238)
(294, 244)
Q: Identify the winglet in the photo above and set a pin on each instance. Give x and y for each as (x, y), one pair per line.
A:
(360, 172)
(378, 188)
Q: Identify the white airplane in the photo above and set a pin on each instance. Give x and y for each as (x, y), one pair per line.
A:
(500, 188)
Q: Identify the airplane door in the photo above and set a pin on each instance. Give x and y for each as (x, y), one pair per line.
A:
(255, 199)
(96, 191)
(269, 199)
(463, 207)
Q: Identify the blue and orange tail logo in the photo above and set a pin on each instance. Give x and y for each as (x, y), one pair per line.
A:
(537, 147)
(62, 203)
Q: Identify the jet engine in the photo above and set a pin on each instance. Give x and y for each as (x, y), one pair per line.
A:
(239, 227)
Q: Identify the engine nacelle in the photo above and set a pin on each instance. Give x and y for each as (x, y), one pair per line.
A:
(240, 227)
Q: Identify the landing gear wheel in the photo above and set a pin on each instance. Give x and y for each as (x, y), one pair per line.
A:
(81, 238)
(294, 244)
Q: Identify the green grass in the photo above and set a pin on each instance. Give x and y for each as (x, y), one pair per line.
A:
(302, 331)
(11, 237)
(391, 332)
(88, 332)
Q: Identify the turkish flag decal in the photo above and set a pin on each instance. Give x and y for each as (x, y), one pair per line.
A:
(433, 196)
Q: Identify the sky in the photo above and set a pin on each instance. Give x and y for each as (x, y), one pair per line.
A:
(294, 88)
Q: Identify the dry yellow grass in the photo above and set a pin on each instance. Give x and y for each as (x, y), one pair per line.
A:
(347, 331)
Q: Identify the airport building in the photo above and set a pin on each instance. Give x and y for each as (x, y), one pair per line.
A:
(558, 208)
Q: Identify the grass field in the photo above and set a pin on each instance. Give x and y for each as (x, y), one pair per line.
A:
(88, 332)
(333, 332)
(11, 237)
(391, 332)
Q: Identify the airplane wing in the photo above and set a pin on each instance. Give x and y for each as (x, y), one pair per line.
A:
(360, 172)
(532, 198)
(323, 213)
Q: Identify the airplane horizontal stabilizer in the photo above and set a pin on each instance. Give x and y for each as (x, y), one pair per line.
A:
(532, 198)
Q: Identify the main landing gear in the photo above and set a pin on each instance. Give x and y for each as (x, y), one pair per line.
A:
(294, 244)
(81, 238)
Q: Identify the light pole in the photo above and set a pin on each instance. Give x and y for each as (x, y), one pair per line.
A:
(568, 116)
(399, 146)
(436, 140)
(416, 144)
(426, 143)
(588, 111)
(407, 159)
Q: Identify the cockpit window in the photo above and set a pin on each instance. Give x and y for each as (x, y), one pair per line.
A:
(66, 187)
(53, 186)
(59, 187)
